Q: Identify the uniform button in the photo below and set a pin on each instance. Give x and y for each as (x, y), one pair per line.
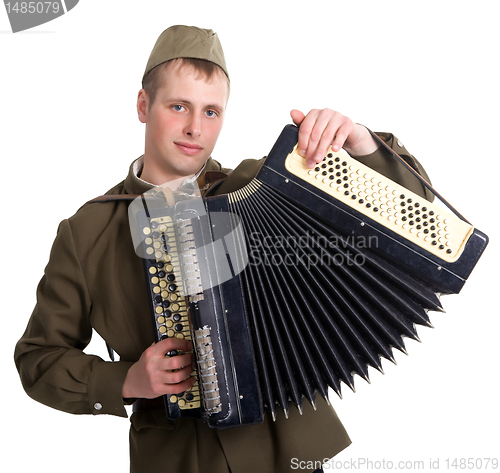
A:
(97, 406)
(400, 144)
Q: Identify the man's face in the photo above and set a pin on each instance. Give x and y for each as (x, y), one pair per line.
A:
(182, 124)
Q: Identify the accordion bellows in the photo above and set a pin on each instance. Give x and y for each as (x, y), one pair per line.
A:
(324, 310)
(330, 270)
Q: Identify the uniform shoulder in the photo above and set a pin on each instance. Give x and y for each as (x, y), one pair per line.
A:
(95, 218)
(241, 176)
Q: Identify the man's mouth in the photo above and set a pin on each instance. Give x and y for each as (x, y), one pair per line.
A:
(188, 148)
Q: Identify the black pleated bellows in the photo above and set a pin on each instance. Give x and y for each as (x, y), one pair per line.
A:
(322, 306)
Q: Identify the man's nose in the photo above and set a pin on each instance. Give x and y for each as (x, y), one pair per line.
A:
(193, 127)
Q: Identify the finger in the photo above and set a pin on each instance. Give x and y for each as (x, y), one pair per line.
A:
(305, 130)
(297, 116)
(177, 388)
(176, 362)
(341, 135)
(169, 344)
(175, 377)
(322, 135)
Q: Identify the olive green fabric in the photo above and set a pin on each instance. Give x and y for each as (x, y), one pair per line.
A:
(95, 281)
(187, 42)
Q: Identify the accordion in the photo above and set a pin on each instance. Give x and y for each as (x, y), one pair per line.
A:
(296, 282)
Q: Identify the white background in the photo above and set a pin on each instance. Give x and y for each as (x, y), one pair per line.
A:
(426, 71)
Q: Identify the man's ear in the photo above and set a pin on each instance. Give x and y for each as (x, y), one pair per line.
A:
(142, 106)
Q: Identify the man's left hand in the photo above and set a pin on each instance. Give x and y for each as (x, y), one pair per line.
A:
(321, 128)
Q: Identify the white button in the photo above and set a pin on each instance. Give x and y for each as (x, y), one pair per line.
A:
(97, 406)
(400, 144)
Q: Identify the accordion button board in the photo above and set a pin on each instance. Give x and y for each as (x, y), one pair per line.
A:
(168, 304)
(388, 203)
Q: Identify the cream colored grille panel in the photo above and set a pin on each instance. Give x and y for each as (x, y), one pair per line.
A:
(427, 225)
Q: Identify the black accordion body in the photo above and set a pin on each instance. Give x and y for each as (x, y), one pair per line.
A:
(297, 281)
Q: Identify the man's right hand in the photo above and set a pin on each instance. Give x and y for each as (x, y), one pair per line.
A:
(153, 375)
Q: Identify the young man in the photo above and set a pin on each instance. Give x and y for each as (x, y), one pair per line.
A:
(95, 281)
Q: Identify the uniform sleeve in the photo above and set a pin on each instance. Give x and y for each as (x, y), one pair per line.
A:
(385, 163)
(53, 368)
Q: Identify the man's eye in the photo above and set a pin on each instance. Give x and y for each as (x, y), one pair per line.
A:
(178, 108)
(210, 113)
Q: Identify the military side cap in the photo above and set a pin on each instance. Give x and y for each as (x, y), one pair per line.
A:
(187, 42)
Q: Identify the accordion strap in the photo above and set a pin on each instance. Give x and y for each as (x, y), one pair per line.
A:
(417, 175)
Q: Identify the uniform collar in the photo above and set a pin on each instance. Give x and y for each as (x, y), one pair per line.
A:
(135, 185)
